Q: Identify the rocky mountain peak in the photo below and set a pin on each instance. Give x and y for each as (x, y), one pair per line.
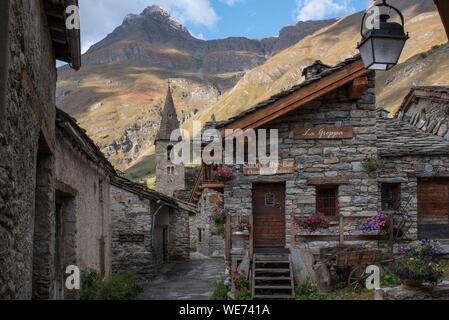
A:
(156, 14)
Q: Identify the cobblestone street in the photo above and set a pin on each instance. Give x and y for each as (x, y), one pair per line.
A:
(192, 280)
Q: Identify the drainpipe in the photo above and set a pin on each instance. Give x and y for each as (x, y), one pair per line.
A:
(4, 57)
(153, 224)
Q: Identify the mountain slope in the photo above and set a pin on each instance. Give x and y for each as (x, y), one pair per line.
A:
(118, 94)
(331, 45)
(424, 69)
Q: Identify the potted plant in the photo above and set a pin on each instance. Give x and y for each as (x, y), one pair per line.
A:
(418, 264)
(225, 174)
(220, 215)
(313, 223)
(377, 223)
(242, 228)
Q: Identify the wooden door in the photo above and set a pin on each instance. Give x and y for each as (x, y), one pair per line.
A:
(433, 208)
(269, 215)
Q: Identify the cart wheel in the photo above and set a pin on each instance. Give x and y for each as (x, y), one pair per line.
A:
(357, 278)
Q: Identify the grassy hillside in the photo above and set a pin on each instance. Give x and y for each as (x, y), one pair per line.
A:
(119, 104)
(424, 69)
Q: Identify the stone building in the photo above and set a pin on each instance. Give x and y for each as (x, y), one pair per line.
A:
(82, 197)
(414, 149)
(148, 228)
(32, 37)
(205, 235)
(339, 159)
(170, 177)
(326, 130)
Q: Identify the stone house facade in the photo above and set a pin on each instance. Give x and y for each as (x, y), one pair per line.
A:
(414, 177)
(340, 159)
(31, 40)
(148, 228)
(82, 197)
(205, 235)
(318, 174)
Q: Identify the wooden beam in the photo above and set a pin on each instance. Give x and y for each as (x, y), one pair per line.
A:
(303, 96)
(211, 185)
(357, 88)
(443, 8)
(316, 238)
(366, 237)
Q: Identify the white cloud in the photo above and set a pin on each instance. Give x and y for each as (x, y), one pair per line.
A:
(320, 9)
(231, 3)
(100, 17)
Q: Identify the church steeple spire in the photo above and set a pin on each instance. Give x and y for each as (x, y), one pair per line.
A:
(169, 121)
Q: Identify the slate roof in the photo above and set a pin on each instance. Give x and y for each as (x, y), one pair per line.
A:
(169, 121)
(425, 92)
(288, 92)
(69, 128)
(147, 193)
(399, 138)
(318, 64)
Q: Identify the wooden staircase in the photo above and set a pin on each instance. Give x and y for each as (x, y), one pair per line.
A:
(272, 277)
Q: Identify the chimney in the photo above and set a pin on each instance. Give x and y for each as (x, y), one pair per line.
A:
(315, 69)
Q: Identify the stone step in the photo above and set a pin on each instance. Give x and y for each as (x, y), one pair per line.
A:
(268, 270)
(274, 287)
(273, 261)
(271, 258)
(273, 278)
(272, 297)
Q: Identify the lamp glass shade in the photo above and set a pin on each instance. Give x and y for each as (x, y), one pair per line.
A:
(381, 48)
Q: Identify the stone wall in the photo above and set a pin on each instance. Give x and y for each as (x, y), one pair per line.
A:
(30, 112)
(167, 182)
(132, 215)
(137, 244)
(86, 188)
(406, 171)
(179, 235)
(322, 160)
(210, 244)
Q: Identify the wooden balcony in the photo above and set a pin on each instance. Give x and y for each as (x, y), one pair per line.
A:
(207, 179)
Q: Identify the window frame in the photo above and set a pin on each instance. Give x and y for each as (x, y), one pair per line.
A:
(318, 201)
(395, 189)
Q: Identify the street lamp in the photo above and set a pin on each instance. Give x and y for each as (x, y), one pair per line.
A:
(382, 44)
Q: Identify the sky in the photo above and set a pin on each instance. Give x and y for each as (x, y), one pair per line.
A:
(214, 19)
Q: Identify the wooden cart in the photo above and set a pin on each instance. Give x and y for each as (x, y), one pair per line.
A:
(355, 259)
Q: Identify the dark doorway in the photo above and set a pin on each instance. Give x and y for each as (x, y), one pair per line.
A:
(269, 214)
(165, 244)
(43, 275)
(433, 209)
(65, 239)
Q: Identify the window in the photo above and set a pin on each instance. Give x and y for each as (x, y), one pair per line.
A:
(200, 235)
(269, 199)
(391, 196)
(170, 171)
(169, 150)
(326, 201)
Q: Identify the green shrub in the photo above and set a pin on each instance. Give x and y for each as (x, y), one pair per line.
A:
(389, 279)
(424, 55)
(244, 294)
(242, 284)
(219, 230)
(120, 286)
(90, 284)
(220, 291)
(308, 291)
